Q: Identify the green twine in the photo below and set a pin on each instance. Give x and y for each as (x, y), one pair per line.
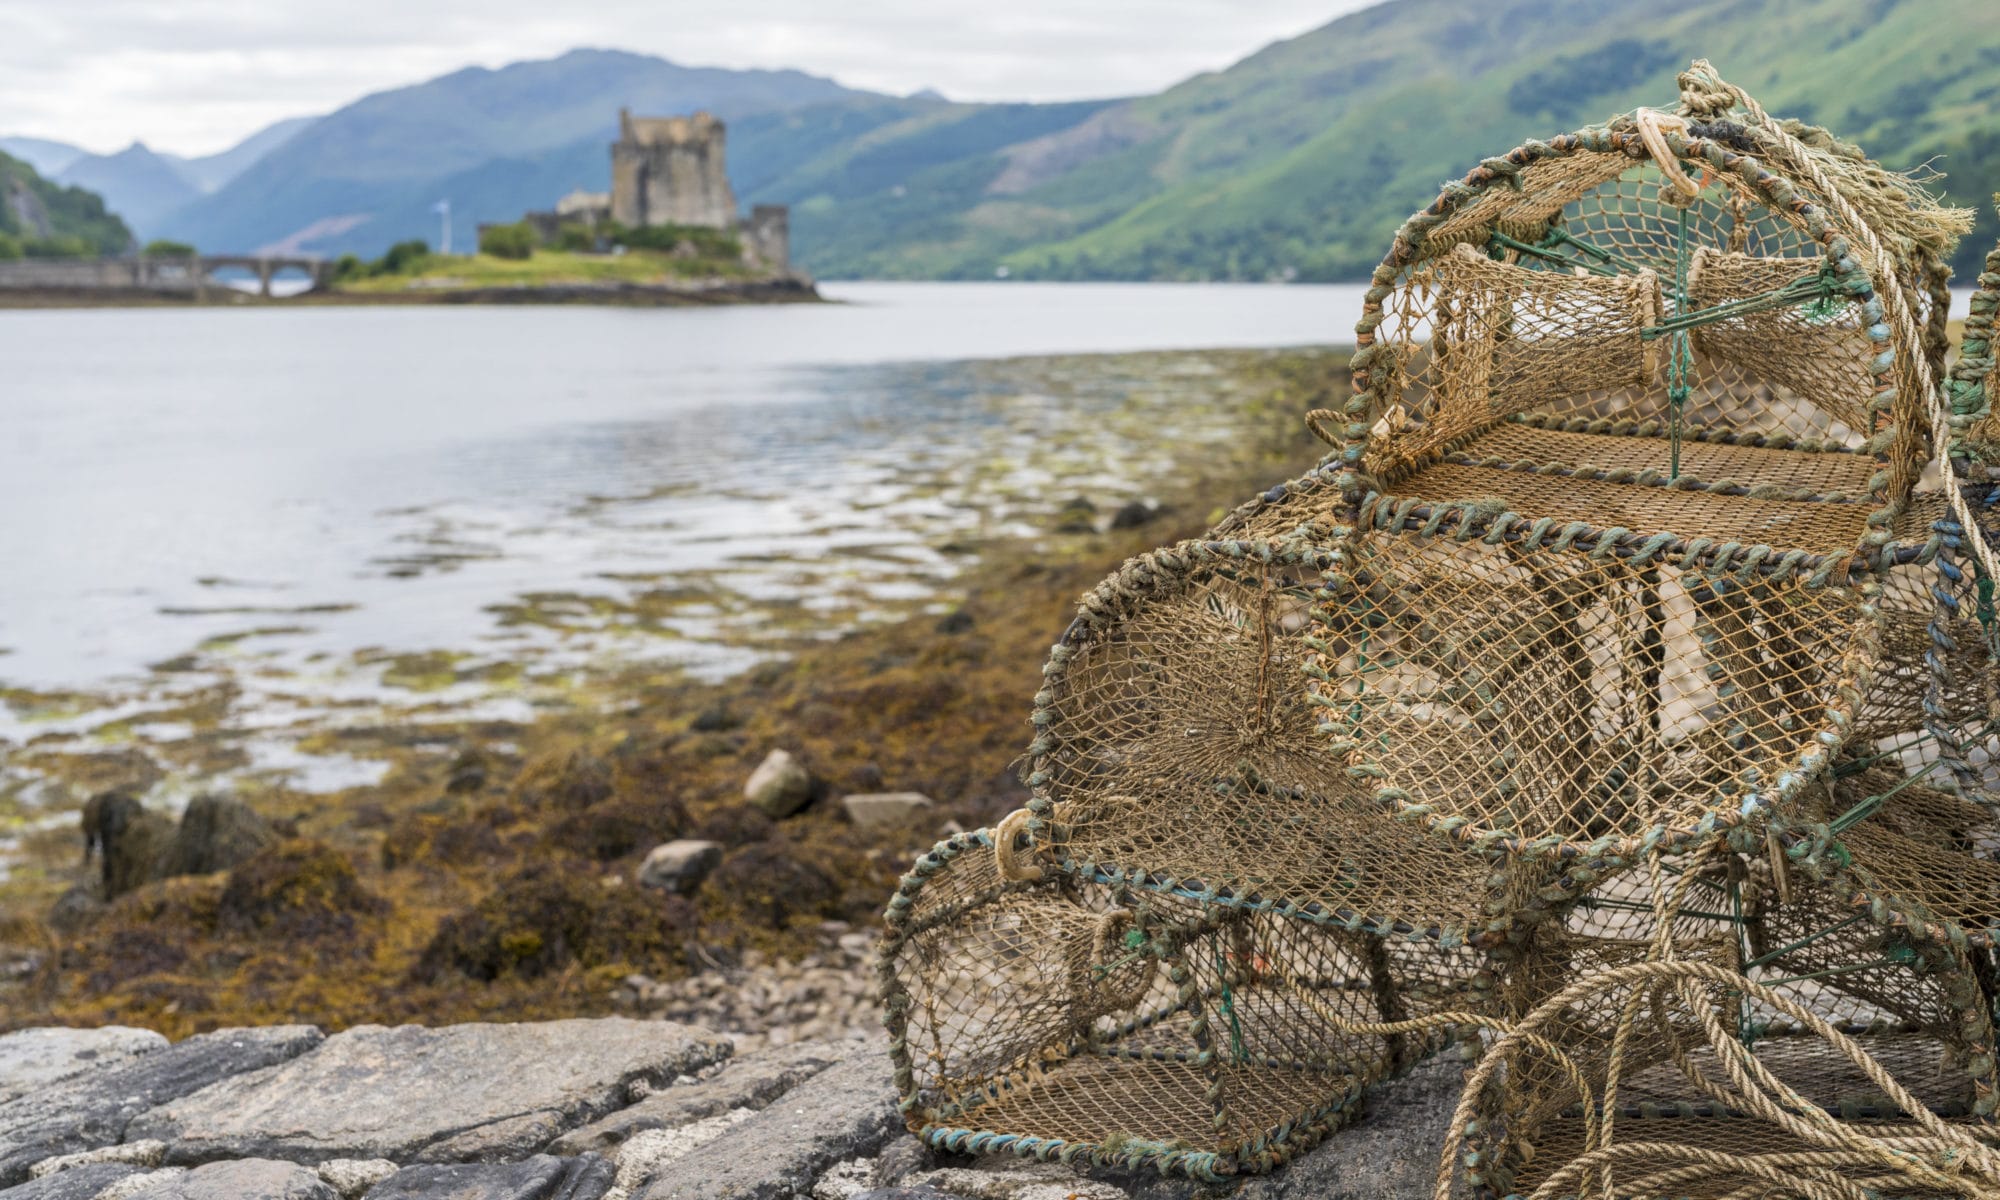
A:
(1683, 355)
(1236, 1046)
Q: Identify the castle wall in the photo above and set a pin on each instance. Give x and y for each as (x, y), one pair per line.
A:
(767, 236)
(671, 171)
(68, 273)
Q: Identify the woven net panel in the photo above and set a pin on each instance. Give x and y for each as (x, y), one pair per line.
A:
(1602, 211)
(1975, 379)
(1543, 699)
(1916, 1008)
(1904, 679)
(1049, 1017)
(1177, 746)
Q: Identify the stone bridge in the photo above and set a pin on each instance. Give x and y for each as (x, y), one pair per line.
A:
(155, 273)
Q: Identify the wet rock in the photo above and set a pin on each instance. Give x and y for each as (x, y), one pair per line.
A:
(245, 1179)
(1079, 515)
(216, 833)
(733, 826)
(901, 1159)
(299, 889)
(619, 827)
(957, 621)
(352, 1177)
(771, 884)
(847, 1111)
(680, 865)
(131, 840)
(780, 786)
(884, 810)
(566, 782)
(541, 1177)
(1133, 514)
(34, 1058)
(143, 1154)
(145, 1183)
(461, 1093)
(468, 772)
(650, 1151)
(75, 910)
(749, 1082)
(907, 1193)
(78, 1183)
(97, 1108)
(549, 917)
(716, 718)
(1013, 1179)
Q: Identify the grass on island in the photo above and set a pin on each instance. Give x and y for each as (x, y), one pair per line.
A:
(550, 268)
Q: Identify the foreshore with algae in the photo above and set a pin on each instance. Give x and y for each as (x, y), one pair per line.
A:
(460, 828)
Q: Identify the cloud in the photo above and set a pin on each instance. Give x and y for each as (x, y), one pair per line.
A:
(195, 76)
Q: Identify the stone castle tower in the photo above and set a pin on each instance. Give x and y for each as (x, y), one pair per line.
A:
(669, 171)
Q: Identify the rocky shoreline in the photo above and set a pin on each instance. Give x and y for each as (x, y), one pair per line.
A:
(582, 1109)
(788, 289)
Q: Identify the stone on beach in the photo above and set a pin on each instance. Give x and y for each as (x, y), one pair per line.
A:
(33, 1058)
(459, 1093)
(679, 865)
(882, 810)
(780, 785)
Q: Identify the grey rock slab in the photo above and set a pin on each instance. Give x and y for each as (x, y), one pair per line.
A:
(542, 1177)
(244, 1179)
(847, 1111)
(459, 1093)
(752, 1081)
(907, 1193)
(34, 1058)
(77, 1183)
(352, 1176)
(884, 810)
(96, 1109)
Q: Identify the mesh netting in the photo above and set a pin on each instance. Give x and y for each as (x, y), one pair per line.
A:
(1104, 1025)
(1617, 691)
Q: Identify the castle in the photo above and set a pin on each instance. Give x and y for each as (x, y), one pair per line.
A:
(670, 171)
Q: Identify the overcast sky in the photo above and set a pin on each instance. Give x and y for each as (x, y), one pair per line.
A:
(195, 76)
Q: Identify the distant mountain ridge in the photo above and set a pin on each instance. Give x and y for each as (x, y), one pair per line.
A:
(1297, 162)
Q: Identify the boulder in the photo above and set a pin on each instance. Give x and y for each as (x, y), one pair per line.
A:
(780, 786)
(132, 839)
(651, 1150)
(352, 1177)
(1079, 515)
(750, 1082)
(848, 1111)
(680, 865)
(244, 1179)
(884, 810)
(98, 1108)
(541, 1177)
(146, 1154)
(86, 1182)
(460, 1093)
(34, 1058)
(216, 833)
(1132, 514)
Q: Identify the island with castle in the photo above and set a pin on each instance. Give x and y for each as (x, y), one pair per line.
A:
(669, 232)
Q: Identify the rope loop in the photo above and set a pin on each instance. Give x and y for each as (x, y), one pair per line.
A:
(1013, 860)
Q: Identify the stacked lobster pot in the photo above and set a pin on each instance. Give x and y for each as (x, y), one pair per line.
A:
(1613, 707)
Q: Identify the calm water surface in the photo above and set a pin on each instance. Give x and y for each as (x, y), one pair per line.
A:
(313, 482)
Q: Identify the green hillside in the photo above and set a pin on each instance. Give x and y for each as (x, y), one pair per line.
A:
(42, 219)
(1300, 160)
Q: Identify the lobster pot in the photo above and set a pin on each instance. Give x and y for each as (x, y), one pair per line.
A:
(1177, 750)
(1545, 698)
(1912, 1004)
(1083, 1023)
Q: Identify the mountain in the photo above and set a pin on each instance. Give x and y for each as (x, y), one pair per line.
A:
(371, 171)
(211, 171)
(1301, 160)
(40, 217)
(45, 156)
(139, 185)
